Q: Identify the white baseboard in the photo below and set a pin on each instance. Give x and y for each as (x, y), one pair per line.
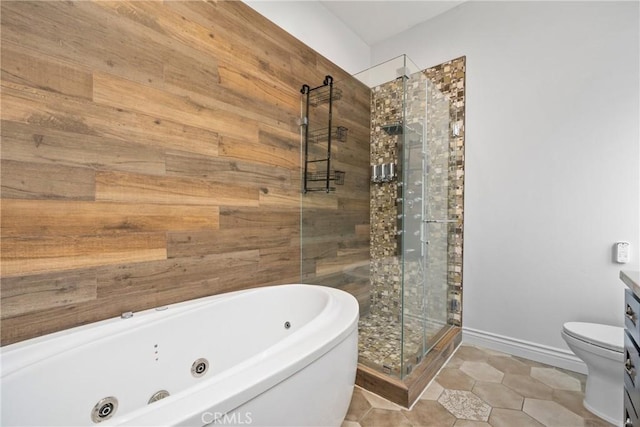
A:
(540, 353)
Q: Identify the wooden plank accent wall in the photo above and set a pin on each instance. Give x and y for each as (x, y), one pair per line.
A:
(151, 154)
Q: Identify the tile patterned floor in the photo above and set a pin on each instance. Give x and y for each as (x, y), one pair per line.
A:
(484, 388)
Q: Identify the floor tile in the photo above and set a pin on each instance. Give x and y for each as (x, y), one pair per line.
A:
(432, 392)
(380, 402)
(527, 386)
(359, 406)
(469, 423)
(455, 362)
(465, 405)
(384, 418)
(471, 354)
(551, 414)
(572, 400)
(509, 365)
(511, 418)
(455, 379)
(498, 395)
(484, 388)
(429, 413)
(581, 377)
(490, 352)
(532, 363)
(481, 371)
(556, 379)
(596, 422)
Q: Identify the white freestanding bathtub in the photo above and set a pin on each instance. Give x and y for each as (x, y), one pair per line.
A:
(272, 356)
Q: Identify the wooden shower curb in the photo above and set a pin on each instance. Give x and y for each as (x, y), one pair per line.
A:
(406, 392)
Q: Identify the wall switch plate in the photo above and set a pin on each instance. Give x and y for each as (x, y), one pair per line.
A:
(621, 252)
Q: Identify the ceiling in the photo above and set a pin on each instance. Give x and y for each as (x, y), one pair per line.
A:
(375, 21)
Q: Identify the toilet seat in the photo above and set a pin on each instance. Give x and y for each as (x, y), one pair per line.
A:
(605, 336)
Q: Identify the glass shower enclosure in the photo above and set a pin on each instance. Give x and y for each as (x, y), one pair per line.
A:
(404, 284)
(410, 217)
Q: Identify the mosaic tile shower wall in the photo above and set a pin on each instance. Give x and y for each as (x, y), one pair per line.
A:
(449, 79)
(426, 308)
(386, 108)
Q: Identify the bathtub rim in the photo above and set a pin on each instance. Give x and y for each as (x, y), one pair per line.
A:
(250, 369)
(13, 357)
(248, 372)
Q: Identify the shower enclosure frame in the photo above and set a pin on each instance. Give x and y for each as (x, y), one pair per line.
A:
(415, 128)
(410, 226)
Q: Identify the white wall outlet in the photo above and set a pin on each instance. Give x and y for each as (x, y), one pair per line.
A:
(621, 252)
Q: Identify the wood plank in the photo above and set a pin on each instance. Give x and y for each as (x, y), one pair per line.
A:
(37, 144)
(196, 78)
(354, 205)
(63, 218)
(280, 198)
(258, 89)
(27, 294)
(279, 256)
(185, 28)
(41, 71)
(25, 180)
(277, 150)
(260, 218)
(317, 251)
(61, 29)
(226, 170)
(198, 243)
(227, 40)
(383, 385)
(342, 263)
(340, 222)
(318, 200)
(183, 278)
(363, 230)
(275, 276)
(190, 69)
(49, 110)
(237, 100)
(31, 325)
(354, 243)
(138, 188)
(122, 93)
(42, 254)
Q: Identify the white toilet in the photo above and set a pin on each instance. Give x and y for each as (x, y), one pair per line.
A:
(601, 348)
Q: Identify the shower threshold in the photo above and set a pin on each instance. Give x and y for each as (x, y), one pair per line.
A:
(406, 391)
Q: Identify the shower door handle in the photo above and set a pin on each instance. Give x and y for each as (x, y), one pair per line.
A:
(440, 221)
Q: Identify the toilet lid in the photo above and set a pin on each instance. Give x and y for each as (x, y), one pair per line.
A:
(610, 337)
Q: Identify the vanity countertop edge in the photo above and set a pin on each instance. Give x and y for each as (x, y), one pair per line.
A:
(632, 280)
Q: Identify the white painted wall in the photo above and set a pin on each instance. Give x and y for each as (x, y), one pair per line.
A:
(310, 22)
(552, 159)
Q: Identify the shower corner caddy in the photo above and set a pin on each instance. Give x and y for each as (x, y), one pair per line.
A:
(318, 174)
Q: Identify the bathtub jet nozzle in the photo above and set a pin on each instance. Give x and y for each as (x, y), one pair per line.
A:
(199, 367)
(104, 409)
(158, 395)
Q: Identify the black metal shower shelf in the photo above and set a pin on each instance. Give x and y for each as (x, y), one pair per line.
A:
(336, 176)
(324, 94)
(320, 135)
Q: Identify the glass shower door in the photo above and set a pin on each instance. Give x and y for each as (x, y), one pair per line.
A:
(425, 246)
